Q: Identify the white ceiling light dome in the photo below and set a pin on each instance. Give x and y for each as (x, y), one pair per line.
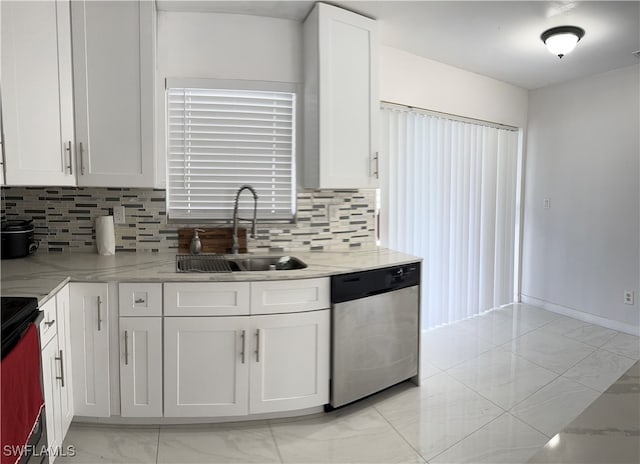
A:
(562, 39)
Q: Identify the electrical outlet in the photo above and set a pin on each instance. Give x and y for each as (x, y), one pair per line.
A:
(118, 215)
(629, 297)
(547, 203)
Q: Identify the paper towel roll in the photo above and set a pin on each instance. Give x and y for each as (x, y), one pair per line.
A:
(105, 236)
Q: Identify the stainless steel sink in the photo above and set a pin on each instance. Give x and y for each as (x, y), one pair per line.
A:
(221, 263)
(266, 263)
(202, 263)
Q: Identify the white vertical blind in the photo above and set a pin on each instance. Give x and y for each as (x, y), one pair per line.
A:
(221, 139)
(449, 196)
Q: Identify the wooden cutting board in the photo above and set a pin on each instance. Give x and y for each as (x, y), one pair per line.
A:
(217, 240)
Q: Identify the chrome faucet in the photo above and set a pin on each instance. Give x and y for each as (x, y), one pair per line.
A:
(234, 247)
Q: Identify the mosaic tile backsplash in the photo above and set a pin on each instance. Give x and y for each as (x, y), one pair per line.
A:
(64, 219)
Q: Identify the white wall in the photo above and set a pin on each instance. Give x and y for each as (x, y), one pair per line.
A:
(583, 154)
(415, 81)
(227, 46)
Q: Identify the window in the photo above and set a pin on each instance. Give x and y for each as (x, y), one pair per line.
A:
(219, 139)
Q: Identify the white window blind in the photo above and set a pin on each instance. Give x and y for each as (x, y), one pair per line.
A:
(449, 195)
(221, 139)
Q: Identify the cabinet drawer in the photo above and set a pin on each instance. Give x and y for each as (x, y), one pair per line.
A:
(140, 299)
(289, 296)
(49, 324)
(207, 299)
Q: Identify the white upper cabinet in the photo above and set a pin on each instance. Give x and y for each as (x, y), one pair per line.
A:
(37, 93)
(341, 99)
(113, 70)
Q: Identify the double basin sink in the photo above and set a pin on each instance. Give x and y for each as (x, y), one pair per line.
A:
(236, 263)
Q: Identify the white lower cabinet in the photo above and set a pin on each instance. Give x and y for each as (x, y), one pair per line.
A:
(205, 366)
(64, 348)
(141, 366)
(290, 368)
(231, 366)
(89, 307)
(56, 370)
(51, 384)
(52, 395)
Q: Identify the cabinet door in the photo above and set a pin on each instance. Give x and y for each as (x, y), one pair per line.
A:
(64, 348)
(90, 349)
(141, 366)
(113, 50)
(290, 365)
(342, 99)
(206, 366)
(37, 95)
(51, 386)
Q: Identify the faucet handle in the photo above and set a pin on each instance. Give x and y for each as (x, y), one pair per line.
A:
(195, 231)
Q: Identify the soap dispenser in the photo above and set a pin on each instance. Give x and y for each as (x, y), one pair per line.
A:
(196, 245)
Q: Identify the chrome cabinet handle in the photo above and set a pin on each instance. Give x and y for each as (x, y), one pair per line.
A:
(126, 348)
(61, 378)
(376, 172)
(243, 336)
(50, 323)
(257, 346)
(81, 150)
(99, 317)
(68, 149)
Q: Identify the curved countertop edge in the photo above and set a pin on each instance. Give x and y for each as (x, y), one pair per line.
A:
(41, 275)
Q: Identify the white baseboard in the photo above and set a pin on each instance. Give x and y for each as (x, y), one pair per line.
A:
(582, 316)
(142, 421)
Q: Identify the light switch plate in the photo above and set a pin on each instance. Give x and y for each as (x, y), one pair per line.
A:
(118, 215)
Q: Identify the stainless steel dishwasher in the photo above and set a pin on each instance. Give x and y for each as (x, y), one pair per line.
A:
(375, 326)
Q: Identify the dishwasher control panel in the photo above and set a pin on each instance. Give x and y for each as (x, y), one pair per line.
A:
(345, 287)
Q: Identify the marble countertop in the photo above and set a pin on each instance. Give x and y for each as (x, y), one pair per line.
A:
(42, 274)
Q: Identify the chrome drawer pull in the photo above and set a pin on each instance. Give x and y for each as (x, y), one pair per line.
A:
(81, 159)
(126, 348)
(68, 148)
(376, 173)
(258, 345)
(243, 335)
(61, 378)
(99, 317)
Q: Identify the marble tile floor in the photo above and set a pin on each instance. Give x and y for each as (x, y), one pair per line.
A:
(607, 431)
(495, 389)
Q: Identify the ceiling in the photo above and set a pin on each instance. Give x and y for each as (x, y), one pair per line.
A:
(499, 39)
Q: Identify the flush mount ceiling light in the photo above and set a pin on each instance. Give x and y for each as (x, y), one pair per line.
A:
(561, 40)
